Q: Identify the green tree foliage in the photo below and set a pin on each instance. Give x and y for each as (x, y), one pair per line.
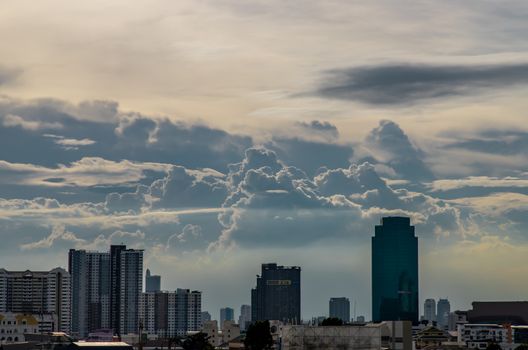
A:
(198, 341)
(332, 321)
(258, 336)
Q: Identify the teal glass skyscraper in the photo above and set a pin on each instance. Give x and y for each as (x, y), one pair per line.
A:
(395, 271)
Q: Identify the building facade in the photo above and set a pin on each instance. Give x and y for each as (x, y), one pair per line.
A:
(430, 310)
(245, 317)
(152, 282)
(226, 314)
(395, 271)
(277, 295)
(171, 314)
(37, 293)
(339, 308)
(443, 311)
(14, 327)
(90, 273)
(106, 287)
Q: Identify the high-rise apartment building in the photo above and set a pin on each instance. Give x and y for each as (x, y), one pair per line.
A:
(339, 308)
(37, 293)
(171, 314)
(226, 314)
(277, 295)
(245, 317)
(106, 287)
(90, 273)
(430, 310)
(443, 310)
(152, 282)
(395, 271)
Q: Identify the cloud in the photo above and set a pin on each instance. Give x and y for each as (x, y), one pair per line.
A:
(8, 75)
(404, 84)
(90, 171)
(389, 145)
(11, 120)
(479, 182)
(58, 233)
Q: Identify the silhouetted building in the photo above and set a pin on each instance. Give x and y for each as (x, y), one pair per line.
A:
(500, 312)
(395, 271)
(443, 311)
(339, 308)
(152, 282)
(430, 310)
(226, 314)
(245, 317)
(277, 295)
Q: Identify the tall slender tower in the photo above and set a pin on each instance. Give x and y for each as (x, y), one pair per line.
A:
(395, 271)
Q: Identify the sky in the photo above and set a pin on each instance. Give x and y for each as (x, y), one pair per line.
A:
(219, 134)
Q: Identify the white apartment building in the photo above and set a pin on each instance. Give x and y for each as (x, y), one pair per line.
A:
(37, 293)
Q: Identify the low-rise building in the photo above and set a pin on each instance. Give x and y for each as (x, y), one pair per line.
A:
(479, 336)
(396, 335)
(14, 327)
(219, 337)
(430, 336)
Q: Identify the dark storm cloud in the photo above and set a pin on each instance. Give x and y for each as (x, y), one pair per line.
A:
(310, 156)
(389, 142)
(318, 126)
(403, 84)
(504, 142)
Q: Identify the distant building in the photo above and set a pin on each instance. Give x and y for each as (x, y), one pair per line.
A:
(395, 335)
(339, 308)
(430, 336)
(277, 295)
(106, 288)
(171, 314)
(513, 312)
(37, 293)
(430, 310)
(395, 271)
(455, 319)
(14, 327)
(226, 314)
(478, 336)
(152, 282)
(245, 317)
(443, 310)
(206, 316)
(218, 337)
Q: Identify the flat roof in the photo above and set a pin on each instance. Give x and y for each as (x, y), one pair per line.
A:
(101, 344)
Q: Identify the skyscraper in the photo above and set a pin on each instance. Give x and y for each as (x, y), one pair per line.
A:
(443, 309)
(39, 293)
(245, 317)
(430, 310)
(277, 295)
(152, 282)
(395, 271)
(339, 308)
(106, 288)
(226, 314)
(90, 276)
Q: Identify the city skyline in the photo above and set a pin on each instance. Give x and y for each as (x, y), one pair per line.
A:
(220, 135)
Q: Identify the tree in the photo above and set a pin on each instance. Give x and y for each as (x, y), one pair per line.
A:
(493, 346)
(522, 347)
(198, 341)
(332, 321)
(258, 336)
